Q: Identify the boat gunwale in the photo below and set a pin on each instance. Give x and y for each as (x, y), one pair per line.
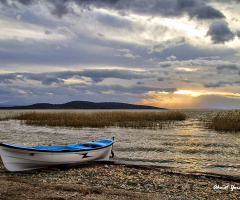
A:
(55, 151)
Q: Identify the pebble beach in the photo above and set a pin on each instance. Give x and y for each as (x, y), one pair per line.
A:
(113, 181)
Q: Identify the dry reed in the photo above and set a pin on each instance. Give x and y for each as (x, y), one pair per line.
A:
(102, 119)
(225, 121)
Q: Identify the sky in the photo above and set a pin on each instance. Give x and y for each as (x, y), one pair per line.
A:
(176, 54)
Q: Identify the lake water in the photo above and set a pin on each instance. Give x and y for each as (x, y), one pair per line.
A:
(186, 147)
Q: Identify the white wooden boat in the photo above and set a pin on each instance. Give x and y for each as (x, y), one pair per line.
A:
(21, 158)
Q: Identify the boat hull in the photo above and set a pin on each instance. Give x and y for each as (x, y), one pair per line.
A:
(16, 159)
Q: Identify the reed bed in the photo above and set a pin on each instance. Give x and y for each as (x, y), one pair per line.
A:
(225, 121)
(102, 119)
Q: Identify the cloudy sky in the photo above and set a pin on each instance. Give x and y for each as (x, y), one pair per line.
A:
(164, 53)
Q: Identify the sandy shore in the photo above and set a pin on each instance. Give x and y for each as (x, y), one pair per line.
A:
(111, 181)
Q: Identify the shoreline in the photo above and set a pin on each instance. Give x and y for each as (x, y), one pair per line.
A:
(173, 171)
(113, 181)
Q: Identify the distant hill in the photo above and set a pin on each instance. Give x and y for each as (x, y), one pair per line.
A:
(83, 105)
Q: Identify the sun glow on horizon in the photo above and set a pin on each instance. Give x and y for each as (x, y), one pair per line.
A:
(184, 99)
(196, 94)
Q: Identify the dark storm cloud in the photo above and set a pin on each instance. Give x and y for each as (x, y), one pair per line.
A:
(45, 78)
(3, 2)
(199, 9)
(49, 79)
(140, 83)
(169, 43)
(173, 8)
(227, 67)
(206, 12)
(216, 85)
(160, 79)
(47, 32)
(98, 75)
(168, 8)
(165, 64)
(60, 9)
(58, 77)
(220, 32)
(135, 89)
(238, 34)
(26, 2)
(7, 78)
(220, 84)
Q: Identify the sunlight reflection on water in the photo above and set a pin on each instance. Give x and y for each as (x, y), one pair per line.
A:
(188, 146)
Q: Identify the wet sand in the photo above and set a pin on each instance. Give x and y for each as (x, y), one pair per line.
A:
(113, 181)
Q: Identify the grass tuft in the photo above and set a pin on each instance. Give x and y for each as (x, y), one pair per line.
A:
(102, 119)
(225, 121)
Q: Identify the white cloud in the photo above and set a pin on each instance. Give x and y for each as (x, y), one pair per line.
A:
(129, 55)
(171, 57)
(64, 31)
